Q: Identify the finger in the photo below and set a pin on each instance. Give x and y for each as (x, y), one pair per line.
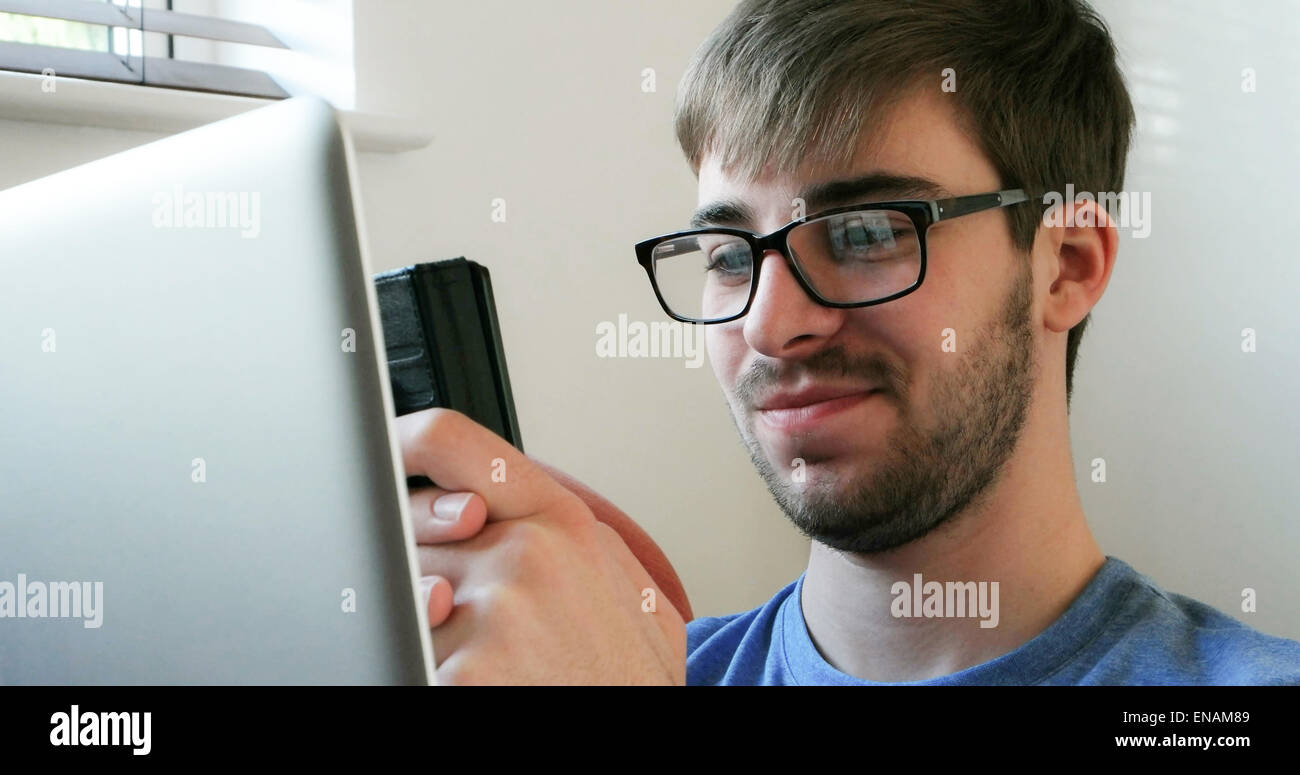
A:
(437, 594)
(454, 560)
(456, 630)
(461, 455)
(438, 516)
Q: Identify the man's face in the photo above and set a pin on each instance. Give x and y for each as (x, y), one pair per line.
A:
(869, 471)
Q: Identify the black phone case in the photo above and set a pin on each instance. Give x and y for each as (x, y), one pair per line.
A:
(444, 344)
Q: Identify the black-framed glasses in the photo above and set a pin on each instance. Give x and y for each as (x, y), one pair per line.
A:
(853, 256)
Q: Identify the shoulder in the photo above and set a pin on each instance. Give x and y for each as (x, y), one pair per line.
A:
(1161, 637)
(700, 630)
(1216, 648)
(732, 648)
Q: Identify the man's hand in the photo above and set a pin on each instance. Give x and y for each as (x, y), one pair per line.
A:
(531, 588)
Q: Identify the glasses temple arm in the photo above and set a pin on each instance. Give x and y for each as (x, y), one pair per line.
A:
(965, 205)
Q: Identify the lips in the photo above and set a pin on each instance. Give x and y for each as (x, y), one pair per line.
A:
(804, 409)
(808, 396)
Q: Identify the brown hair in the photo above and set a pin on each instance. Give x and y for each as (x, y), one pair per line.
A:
(782, 82)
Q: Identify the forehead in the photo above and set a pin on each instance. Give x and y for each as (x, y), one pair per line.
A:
(921, 139)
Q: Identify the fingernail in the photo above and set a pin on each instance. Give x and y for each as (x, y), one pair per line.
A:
(426, 587)
(448, 507)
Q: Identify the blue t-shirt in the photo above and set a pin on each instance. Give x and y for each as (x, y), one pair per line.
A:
(1122, 629)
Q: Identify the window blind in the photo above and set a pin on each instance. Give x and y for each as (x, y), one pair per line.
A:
(137, 66)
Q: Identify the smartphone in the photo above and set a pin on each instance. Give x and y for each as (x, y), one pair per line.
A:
(444, 345)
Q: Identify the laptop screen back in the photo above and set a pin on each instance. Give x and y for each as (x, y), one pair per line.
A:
(193, 431)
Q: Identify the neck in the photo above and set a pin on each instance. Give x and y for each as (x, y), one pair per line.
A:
(1029, 534)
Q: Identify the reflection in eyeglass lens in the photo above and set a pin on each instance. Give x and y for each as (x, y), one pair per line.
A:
(853, 234)
(858, 256)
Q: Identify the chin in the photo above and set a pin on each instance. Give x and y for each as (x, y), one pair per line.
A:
(830, 477)
(825, 462)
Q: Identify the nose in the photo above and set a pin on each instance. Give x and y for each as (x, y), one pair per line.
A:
(784, 321)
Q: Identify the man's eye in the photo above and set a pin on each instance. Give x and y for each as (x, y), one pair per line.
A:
(734, 259)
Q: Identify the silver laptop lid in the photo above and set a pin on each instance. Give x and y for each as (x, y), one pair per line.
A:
(197, 474)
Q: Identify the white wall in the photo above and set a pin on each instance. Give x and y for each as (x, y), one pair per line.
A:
(1200, 438)
(541, 104)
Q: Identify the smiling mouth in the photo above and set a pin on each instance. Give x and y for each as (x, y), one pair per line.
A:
(791, 418)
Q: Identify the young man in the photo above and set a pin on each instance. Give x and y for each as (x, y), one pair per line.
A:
(897, 354)
(925, 432)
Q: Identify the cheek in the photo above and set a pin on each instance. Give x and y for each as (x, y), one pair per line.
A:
(932, 344)
(940, 320)
(967, 278)
(908, 334)
(726, 347)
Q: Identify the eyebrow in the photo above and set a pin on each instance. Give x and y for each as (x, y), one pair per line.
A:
(874, 186)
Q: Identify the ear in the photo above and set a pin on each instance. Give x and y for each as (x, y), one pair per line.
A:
(1083, 241)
